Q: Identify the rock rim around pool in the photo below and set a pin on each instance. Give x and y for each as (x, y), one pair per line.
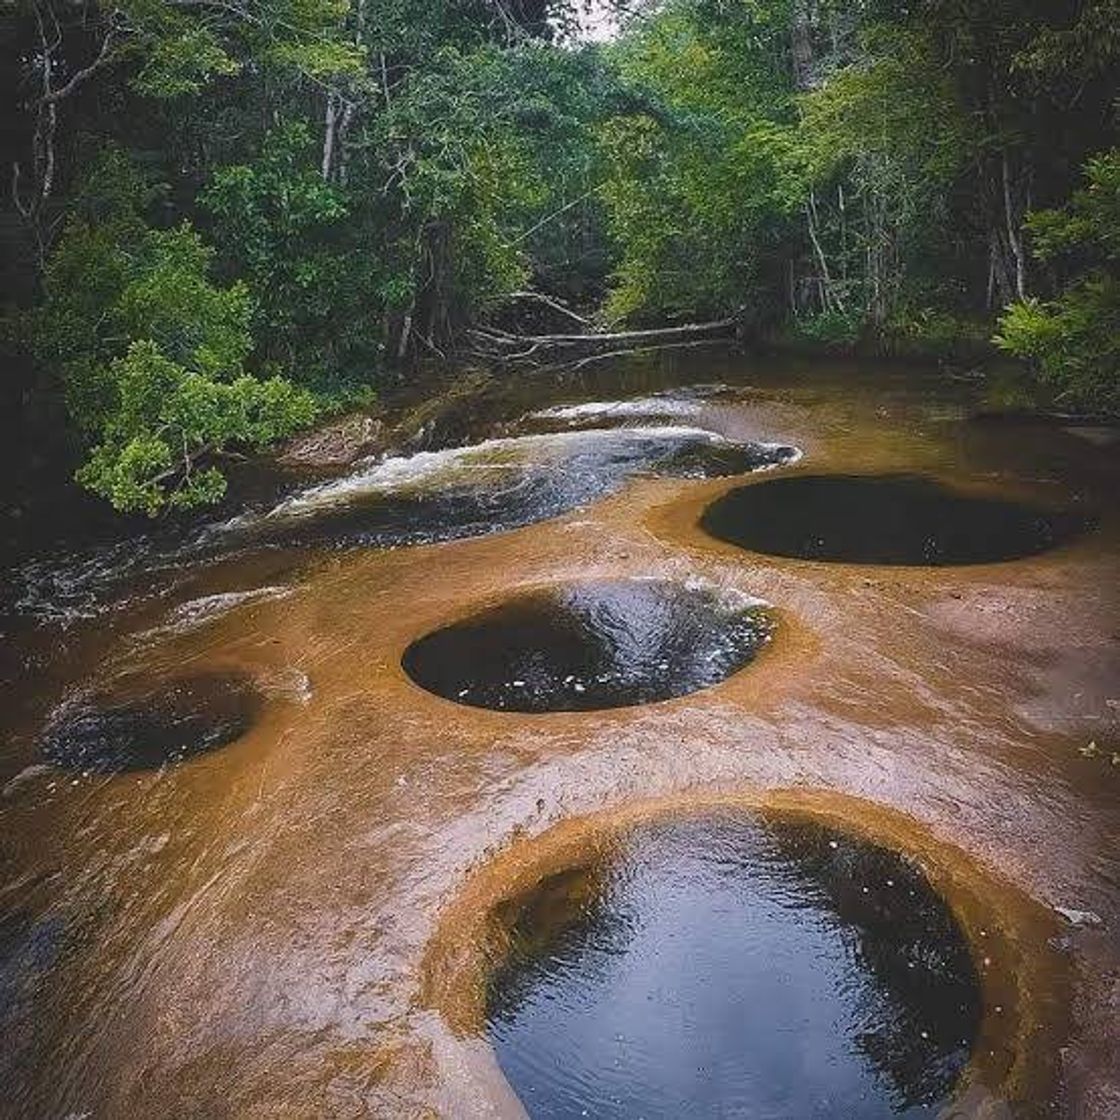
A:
(690, 957)
(592, 645)
(899, 519)
(144, 723)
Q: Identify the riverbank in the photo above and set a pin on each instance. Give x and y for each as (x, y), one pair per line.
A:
(266, 916)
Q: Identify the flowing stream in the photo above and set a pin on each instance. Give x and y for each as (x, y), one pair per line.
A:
(528, 775)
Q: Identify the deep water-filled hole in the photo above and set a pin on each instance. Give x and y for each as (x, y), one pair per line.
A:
(143, 725)
(884, 519)
(728, 965)
(599, 644)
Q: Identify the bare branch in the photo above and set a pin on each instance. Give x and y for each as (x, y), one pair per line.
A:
(24, 211)
(549, 301)
(555, 214)
(657, 334)
(83, 75)
(627, 351)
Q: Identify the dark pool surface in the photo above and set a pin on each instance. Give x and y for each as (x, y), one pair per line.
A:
(884, 519)
(148, 724)
(732, 966)
(599, 644)
(501, 484)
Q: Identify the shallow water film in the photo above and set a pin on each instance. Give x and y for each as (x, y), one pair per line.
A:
(731, 966)
(318, 881)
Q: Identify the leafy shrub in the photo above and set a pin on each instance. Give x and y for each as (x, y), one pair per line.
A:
(832, 329)
(152, 355)
(927, 331)
(1074, 340)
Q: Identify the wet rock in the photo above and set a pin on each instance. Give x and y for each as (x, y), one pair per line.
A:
(1079, 917)
(458, 411)
(496, 485)
(335, 444)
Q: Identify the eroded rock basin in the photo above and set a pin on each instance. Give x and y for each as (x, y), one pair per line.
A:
(602, 644)
(792, 954)
(255, 931)
(886, 519)
(727, 965)
(143, 724)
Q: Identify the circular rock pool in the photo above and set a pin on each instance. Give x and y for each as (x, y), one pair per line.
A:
(142, 724)
(732, 965)
(601, 644)
(884, 519)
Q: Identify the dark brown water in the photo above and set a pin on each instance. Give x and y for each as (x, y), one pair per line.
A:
(734, 966)
(580, 647)
(292, 922)
(886, 519)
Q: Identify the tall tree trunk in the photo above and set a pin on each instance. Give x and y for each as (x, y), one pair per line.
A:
(329, 133)
(801, 41)
(829, 298)
(1013, 215)
(1004, 203)
(1001, 282)
(343, 152)
(437, 295)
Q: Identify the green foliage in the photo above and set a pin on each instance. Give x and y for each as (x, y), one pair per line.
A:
(1074, 340)
(935, 332)
(184, 48)
(109, 284)
(334, 191)
(283, 229)
(1090, 222)
(834, 330)
(152, 353)
(183, 60)
(698, 186)
(167, 417)
(449, 141)
(869, 108)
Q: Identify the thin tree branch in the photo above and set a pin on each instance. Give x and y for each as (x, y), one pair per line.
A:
(83, 75)
(548, 301)
(555, 214)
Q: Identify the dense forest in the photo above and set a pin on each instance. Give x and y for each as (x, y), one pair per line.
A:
(226, 218)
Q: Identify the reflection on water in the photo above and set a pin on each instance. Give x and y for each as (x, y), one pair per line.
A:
(603, 644)
(884, 519)
(727, 965)
(150, 724)
(498, 484)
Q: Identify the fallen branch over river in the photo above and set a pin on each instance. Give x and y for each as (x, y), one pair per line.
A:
(507, 346)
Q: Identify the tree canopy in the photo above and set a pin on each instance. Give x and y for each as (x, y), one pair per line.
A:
(224, 218)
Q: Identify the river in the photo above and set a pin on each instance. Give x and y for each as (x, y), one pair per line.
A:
(276, 895)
